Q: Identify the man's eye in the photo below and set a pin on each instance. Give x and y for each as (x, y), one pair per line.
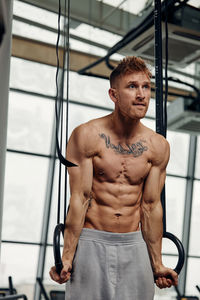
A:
(147, 86)
(131, 86)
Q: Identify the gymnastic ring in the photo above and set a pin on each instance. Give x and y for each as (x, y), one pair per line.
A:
(56, 247)
(181, 252)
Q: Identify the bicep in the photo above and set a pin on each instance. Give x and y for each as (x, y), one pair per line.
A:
(80, 177)
(154, 184)
(156, 178)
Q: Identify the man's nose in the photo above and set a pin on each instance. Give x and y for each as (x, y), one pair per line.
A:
(140, 93)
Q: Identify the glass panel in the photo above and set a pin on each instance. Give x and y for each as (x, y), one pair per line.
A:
(33, 32)
(194, 3)
(179, 147)
(149, 123)
(87, 48)
(30, 123)
(80, 114)
(127, 6)
(170, 261)
(34, 13)
(193, 276)
(89, 90)
(20, 262)
(40, 79)
(95, 34)
(25, 186)
(197, 166)
(151, 109)
(194, 248)
(189, 69)
(175, 199)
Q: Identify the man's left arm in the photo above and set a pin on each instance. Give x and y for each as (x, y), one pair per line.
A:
(152, 213)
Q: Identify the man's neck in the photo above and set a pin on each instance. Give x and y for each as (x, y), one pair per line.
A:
(125, 127)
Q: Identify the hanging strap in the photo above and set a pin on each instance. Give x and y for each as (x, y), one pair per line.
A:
(58, 100)
(161, 119)
(59, 229)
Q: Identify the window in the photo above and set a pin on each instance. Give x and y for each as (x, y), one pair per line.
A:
(25, 187)
(195, 221)
(179, 147)
(197, 169)
(30, 123)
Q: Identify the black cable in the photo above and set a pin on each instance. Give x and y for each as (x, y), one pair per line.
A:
(166, 71)
(59, 101)
(58, 111)
(67, 101)
(58, 98)
(198, 288)
(187, 84)
(66, 119)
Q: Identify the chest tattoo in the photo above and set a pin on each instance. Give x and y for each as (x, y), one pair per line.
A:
(135, 149)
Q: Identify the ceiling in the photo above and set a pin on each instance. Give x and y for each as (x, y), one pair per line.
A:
(116, 16)
(95, 26)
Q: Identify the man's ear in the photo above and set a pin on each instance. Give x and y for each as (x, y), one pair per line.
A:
(113, 94)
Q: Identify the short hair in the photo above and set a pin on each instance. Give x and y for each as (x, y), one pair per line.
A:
(128, 65)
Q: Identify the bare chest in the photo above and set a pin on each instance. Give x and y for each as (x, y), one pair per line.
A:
(122, 164)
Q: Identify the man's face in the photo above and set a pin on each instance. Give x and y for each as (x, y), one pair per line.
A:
(133, 92)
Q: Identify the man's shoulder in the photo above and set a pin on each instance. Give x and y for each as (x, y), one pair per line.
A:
(86, 135)
(89, 128)
(155, 138)
(158, 141)
(159, 146)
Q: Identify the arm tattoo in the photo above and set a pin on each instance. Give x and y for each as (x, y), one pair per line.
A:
(135, 149)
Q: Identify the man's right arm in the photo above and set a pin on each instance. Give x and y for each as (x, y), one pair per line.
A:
(80, 179)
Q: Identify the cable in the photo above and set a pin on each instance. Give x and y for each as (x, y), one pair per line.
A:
(67, 103)
(59, 106)
(59, 101)
(58, 98)
(166, 71)
(58, 111)
(187, 84)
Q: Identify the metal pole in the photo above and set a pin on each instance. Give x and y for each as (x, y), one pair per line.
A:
(6, 8)
(159, 86)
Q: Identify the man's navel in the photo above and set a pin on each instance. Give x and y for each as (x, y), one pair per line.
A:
(118, 215)
(101, 173)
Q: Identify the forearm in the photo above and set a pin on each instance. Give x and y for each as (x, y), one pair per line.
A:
(152, 230)
(74, 224)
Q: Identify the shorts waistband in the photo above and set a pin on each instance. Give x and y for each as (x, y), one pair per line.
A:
(111, 237)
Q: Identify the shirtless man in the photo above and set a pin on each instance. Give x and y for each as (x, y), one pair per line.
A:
(113, 233)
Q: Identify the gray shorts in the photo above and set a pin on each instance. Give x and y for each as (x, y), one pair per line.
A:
(111, 266)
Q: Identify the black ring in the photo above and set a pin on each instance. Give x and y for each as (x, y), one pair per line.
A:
(56, 247)
(181, 252)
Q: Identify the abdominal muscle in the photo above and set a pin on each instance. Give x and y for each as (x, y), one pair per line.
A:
(114, 208)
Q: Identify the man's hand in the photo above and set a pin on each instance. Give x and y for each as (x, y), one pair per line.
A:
(64, 275)
(165, 277)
